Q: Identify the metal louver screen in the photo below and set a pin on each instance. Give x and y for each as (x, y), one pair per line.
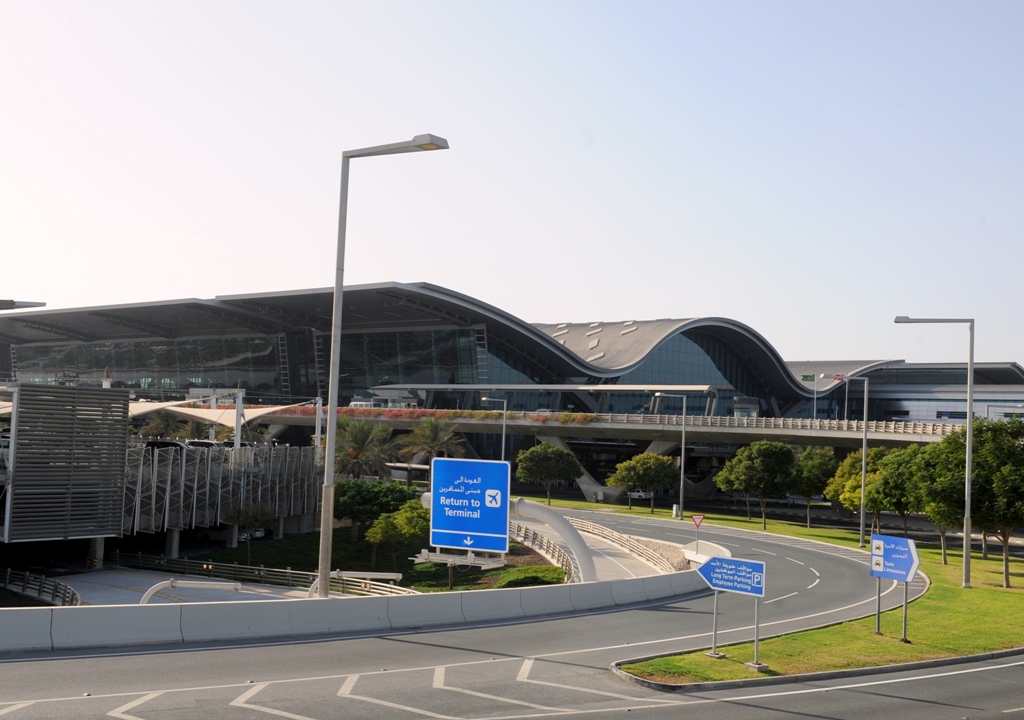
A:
(69, 463)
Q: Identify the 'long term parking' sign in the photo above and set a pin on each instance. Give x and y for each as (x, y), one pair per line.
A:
(469, 504)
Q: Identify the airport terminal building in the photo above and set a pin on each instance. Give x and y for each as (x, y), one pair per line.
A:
(424, 344)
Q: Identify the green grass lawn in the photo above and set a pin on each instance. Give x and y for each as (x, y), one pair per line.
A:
(947, 621)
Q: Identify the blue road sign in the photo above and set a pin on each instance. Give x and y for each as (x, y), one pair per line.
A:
(734, 575)
(893, 558)
(469, 504)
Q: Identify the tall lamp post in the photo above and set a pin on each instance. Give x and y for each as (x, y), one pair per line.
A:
(504, 416)
(863, 451)
(682, 450)
(903, 319)
(418, 143)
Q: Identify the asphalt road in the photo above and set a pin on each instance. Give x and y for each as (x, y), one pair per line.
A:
(550, 667)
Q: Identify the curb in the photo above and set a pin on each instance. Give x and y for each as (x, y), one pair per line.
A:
(804, 677)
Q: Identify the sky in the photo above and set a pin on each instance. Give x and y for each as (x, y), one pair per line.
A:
(809, 169)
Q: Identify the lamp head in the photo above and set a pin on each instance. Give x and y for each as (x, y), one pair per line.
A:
(430, 142)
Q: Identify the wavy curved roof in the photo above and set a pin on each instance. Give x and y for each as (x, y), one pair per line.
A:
(599, 350)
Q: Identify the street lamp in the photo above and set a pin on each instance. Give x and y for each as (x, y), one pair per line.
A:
(420, 142)
(682, 450)
(863, 453)
(903, 319)
(504, 415)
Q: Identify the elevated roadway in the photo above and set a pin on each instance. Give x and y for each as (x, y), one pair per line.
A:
(699, 428)
(551, 666)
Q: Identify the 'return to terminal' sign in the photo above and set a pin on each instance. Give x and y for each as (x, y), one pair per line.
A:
(469, 504)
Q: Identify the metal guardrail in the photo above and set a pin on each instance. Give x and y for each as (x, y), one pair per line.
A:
(40, 586)
(530, 537)
(344, 583)
(852, 426)
(624, 541)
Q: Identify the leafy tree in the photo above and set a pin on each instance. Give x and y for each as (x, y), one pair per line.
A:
(431, 438)
(811, 475)
(547, 464)
(385, 531)
(896, 484)
(164, 424)
(395, 529)
(362, 502)
(363, 449)
(357, 501)
(997, 476)
(647, 470)
(844, 487)
(941, 491)
(764, 468)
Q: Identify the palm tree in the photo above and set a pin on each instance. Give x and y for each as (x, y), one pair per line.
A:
(432, 438)
(364, 449)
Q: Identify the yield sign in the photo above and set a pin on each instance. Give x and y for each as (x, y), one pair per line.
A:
(697, 519)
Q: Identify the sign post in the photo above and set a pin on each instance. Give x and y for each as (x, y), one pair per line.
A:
(469, 505)
(893, 558)
(745, 577)
(697, 518)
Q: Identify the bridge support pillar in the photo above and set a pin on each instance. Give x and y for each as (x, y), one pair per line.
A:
(95, 559)
(171, 547)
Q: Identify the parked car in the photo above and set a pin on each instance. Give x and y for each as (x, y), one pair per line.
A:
(641, 494)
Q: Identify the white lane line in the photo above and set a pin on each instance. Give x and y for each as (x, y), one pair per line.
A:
(761, 551)
(12, 708)
(797, 561)
(815, 572)
(121, 712)
(524, 676)
(766, 602)
(439, 685)
(814, 583)
(350, 682)
(242, 702)
(1013, 710)
(609, 557)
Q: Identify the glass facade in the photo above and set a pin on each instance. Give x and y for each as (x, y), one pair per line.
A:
(693, 358)
(162, 369)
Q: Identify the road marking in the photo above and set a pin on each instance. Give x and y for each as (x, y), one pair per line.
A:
(796, 561)
(524, 673)
(766, 602)
(815, 572)
(814, 583)
(761, 551)
(1013, 710)
(121, 711)
(12, 708)
(241, 701)
(439, 685)
(350, 682)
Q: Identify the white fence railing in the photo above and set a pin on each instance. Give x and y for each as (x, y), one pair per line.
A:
(40, 586)
(546, 547)
(344, 583)
(624, 541)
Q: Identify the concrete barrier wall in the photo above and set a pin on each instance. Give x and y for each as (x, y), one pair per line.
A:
(546, 600)
(410, 611)
(110, 625)
(332, 615)
(235, 620)
(27, 629)
(484, 605)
